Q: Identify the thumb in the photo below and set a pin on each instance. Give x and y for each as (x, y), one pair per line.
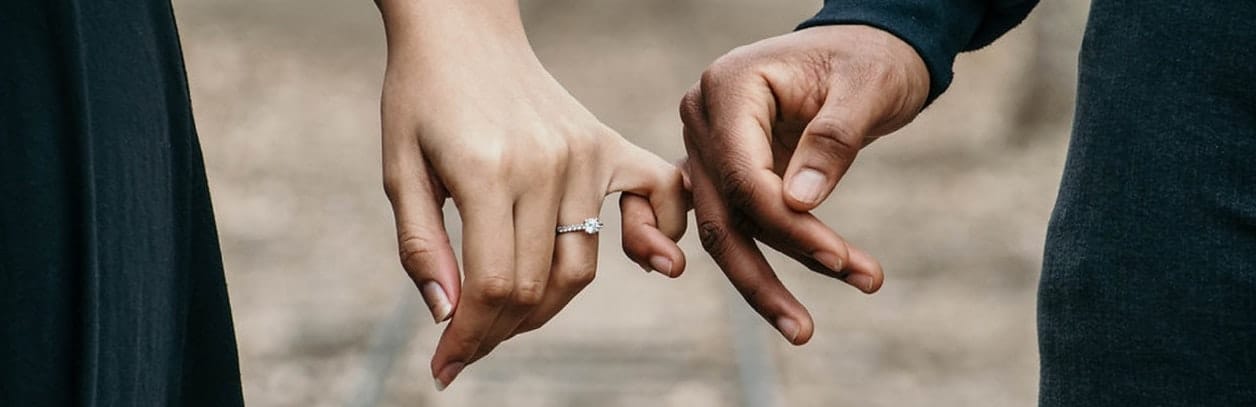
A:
(825, 151)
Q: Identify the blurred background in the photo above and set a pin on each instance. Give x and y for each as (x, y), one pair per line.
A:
(955, 206)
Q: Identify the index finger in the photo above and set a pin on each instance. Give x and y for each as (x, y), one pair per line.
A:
(744, 265)
(490, 273)
(728, 127)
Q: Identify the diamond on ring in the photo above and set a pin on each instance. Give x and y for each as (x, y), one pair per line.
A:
(590, 226)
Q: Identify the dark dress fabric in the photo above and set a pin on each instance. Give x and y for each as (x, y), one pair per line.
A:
(111, 283)
(1148, 289)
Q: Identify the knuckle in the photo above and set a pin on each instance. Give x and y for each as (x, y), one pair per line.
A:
(737, 188)
(714, 237)
(723, 72)
(494, 290)
(834, 137)
(692, 109)
(734, 63)
(544, 160)
(414, 246)
(490, 159)
(713, 75)
(551, 150)
(583, 144)
(727, 65)
(577, 278)
(548, 160)
(529, 293)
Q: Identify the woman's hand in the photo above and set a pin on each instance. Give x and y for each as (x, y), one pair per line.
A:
(470, 114)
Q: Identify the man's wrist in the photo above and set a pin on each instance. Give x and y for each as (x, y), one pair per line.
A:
(937, 30)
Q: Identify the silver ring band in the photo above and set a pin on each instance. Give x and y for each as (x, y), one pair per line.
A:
(590, 226)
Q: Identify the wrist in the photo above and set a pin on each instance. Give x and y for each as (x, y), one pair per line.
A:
(878, 54)
(454, 33)
(936, 30)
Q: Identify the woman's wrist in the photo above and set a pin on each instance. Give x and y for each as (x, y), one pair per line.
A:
(452, 33)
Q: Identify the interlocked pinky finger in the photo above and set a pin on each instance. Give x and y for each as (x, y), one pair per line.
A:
(643, 242)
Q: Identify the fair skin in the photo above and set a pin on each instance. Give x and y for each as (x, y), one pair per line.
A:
(470, 115)
(770, 130)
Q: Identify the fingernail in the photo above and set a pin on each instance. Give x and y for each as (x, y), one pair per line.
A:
(788, 327)
(447, 375)
(861, 281)
(806, 185)
(662, 264)
(830, 260)
(437, 300)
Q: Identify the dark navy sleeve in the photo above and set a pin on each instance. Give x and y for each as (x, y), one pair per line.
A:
(937, 29)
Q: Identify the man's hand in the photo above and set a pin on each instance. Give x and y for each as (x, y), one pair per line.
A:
(770, 130)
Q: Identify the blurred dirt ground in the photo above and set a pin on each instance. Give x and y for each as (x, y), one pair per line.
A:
(955, 206)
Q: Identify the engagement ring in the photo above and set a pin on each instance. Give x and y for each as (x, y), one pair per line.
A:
(590, 226)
